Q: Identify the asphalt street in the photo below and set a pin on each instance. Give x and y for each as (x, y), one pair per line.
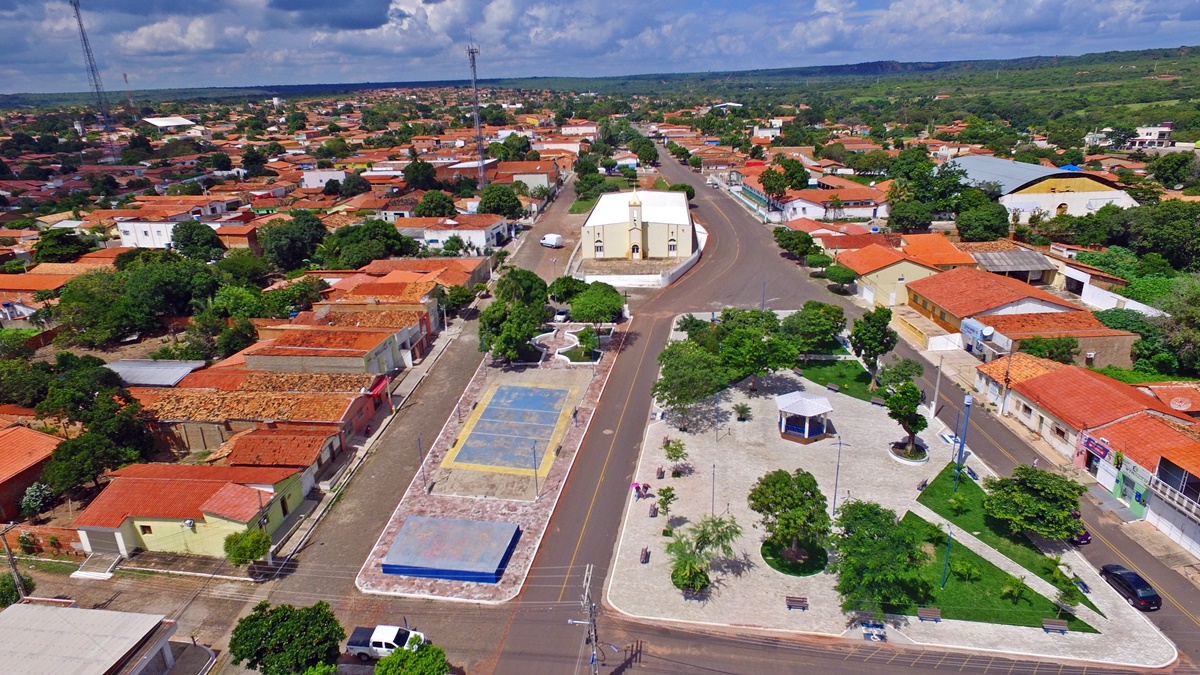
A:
(531, 635)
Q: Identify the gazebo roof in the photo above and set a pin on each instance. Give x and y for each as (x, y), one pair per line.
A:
(799, 403)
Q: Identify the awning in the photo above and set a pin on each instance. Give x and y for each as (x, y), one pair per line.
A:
(799, 403)
(379, 386)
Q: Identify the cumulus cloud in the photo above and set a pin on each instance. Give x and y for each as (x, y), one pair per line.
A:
(296, 41)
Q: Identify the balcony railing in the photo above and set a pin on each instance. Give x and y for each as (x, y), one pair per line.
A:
(1179, 500)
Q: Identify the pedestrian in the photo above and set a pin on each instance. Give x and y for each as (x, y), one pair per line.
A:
(1035, 459)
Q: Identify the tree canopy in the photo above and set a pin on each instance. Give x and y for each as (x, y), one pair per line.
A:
(814, 325)
(690, 373)
(878, 559)
(872, 337)
(59, 245)
(291, 244)
(904, 406)
(792, 508)
(598, 303)
(196, 241)
(1034, 500)
(354, 246)
(246, 546)
(283, 640)
(1063, 349)
(984, 223)
(500, 199)
(435, 203)
(424, 659)
(421, 175)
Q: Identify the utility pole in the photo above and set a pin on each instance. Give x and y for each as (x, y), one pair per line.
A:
(481, 182)
(12, 563)
(589, 609)
(937, 385)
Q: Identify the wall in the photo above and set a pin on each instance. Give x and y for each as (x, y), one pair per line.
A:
(1043, 423)
(207, 537)
(308, 364)
(1110, 350)
(1026, 306)
(889, 282)
(1078, 203)
(68, 539)
(13, 489)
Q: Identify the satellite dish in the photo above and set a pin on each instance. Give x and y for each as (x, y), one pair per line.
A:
(1178, 186)
(872, 183)
(189, 523)
(1181, 403)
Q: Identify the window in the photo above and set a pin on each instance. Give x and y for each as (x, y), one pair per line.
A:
(599, 247)
(1060, 433)
(146, 529)
(672, 248)
(1026, 410)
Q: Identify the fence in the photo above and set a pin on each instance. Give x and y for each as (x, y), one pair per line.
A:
(66, 540)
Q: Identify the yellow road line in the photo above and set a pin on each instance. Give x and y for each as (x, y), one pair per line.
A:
(608, 457)
(1130, 564)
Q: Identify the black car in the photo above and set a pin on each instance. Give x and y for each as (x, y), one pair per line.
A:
(1133, 587)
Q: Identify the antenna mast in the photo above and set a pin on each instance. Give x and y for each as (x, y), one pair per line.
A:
(129, 94)
(472, 52)
(94, 76)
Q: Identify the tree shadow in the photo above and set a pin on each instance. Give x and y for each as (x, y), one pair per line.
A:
(771, 384)
(677, 521)
(618, 345)
(736, 566)
(838, 289)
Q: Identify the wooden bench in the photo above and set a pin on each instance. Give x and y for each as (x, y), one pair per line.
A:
(922, 485)
(832, 386)
(645, 555)
(1054, 626)
(660, 473)
(795, 602)
(654, 510)
(929, 614)
(875, 400)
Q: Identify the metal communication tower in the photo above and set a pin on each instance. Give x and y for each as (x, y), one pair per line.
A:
(472, 52)
(93, 72)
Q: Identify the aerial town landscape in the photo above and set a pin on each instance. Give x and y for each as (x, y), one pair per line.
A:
(434, 368)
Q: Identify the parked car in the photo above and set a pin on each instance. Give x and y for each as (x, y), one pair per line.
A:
(562, 315)
(1136, 591)
(380, 641)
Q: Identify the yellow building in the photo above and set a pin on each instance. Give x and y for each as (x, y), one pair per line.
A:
(639, 225)
(1026, 189)
(883, 272)
(188, 509)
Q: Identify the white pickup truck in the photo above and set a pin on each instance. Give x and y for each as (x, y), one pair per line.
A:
(378, 642)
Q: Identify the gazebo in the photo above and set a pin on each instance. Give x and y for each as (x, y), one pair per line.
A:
(803, 417)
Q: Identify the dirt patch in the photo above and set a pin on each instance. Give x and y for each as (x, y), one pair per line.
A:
(141, 349)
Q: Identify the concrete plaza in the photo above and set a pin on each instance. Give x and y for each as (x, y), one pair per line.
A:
(746, 592)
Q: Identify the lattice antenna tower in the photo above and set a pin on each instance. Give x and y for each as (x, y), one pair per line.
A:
(93, 74)
(472, 52)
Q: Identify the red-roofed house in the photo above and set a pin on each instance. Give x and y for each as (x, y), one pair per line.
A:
(883, 272)
(1099, 345)
(963, 292)
(23, 454)
(306, 450)
(182, 508)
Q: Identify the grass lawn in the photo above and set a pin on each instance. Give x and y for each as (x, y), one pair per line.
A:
(816, 561)
(832, 347)
(585, 205)
(851, 378)
(48, 566)
(980, 599)
(578, 355)
(1017, 548)
(661, 184)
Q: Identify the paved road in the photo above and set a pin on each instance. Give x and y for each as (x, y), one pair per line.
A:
(531, 635)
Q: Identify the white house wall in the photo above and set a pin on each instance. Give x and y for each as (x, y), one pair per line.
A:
(1078, 203)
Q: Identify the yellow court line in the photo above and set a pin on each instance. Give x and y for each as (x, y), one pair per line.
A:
(560, 430)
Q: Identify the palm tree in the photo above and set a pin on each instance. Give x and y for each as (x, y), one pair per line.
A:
(689, 567)
(716, 534)
(1015, 590)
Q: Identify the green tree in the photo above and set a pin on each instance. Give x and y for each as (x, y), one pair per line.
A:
(985, 223)
(37, 498)
(240, 267)
(238, 302)
(565, 288)
(695, 162)
(283, 640)
(1063, 349)
(598, 303)
(500, 199)
(685, 188)
(900, 371)
(59, 246)
(8, 588)
(1181, 329)
(840, 275)
(220, 161)
(196, 241)
(354, 184)
(84, 458)
(877, 558)
(435, 204)
(774, 184)
(14, 344)
(235, 338)
(792, 508)
(291, 244)
(796, 242)
(904, 406)
(332, 187)
(753, 352)
(421, 175)
(242, 548)
(910, 216)
(24, 383)
(872, 337)
(666, 497)
(1034, 500)
(795, 173)
(521, 286)
(814, 325)
(1175, 168)
(818, 260)
(676, 453)
(418, 659)
(690, 373)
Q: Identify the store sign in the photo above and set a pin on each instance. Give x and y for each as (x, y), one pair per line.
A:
(1139, 474)
(1095, 447)
(972, 329)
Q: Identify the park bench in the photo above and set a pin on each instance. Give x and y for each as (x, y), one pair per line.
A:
(929, 614)
(875, 400)
(1082, 585)
(922, 485)
(795, 602)
(654, 510)
(645, 555)
(832, 386)
(974, 476)
(1054, 626)
(660, 473)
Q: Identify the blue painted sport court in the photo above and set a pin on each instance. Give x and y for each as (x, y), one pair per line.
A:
(513, 419)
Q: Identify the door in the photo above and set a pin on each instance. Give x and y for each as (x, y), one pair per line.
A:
(868, 294)
(103, 542)
(636, 252)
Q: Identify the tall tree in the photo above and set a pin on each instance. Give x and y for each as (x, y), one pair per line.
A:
(435, 203)
(753, 352)
(872, 337)
(84, 458)
(904, 406)
(59, 246)
(1063, 349)
(816, 324)
(911, 216)
(1034, 500)
(196, 241)
(599, 303)
(792, 508)
(900, 371)
(421, 175)
(774, 184)
(284, 640)
(690, 373)
(878, 559)
(289, 244)
(500, 199)
(984, 223)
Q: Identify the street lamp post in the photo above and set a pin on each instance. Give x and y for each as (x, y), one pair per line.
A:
(837, 472)
(962, 437)
(937, 387)
(946, 564)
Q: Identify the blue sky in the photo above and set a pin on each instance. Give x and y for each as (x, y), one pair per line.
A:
(177, 43)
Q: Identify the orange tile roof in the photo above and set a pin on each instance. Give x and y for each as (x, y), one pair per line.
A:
(209, 405)
(365, 340)
(809, 225)
(393, 319)
(1145, 437)
(967, 291)
(399, 292)
(276, 447)
(872, 258)
(847, 242)
(230, 379)
(1024, 367)
(935, 249)
(1184, 397)
(21, 448)
(179, 491)
(998, 246)
(33, 282)
(1085, 399)
(1049, 324)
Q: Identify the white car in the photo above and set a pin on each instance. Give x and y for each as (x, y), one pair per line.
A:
(563, 315)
